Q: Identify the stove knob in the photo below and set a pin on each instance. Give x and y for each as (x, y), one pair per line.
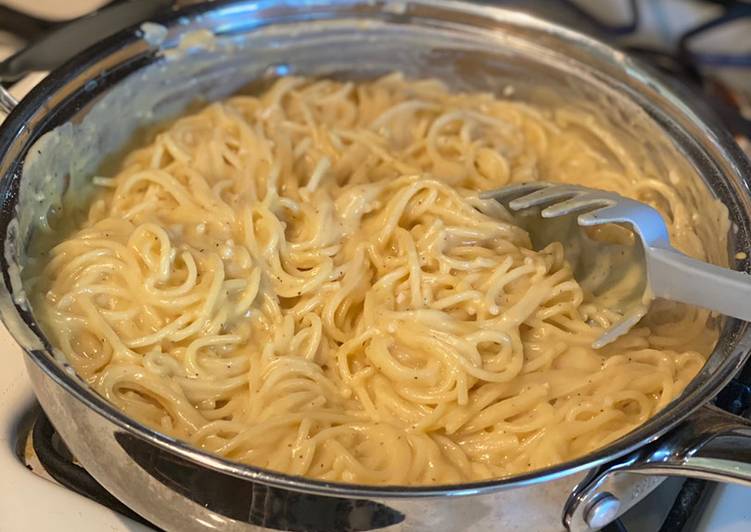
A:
(602, 511)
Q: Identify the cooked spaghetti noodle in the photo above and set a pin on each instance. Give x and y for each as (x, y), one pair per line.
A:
(306, 281)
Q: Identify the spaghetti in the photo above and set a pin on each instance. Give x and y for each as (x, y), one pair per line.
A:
(306, 281)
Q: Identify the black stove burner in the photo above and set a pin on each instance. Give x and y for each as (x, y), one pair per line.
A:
(59, 463)
(266, 507)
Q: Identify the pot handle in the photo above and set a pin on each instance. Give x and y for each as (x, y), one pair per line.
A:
(67, 40)
(711, 445)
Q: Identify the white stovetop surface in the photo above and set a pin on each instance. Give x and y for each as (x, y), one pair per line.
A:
(31, 503)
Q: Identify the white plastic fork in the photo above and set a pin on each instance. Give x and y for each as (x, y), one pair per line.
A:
(551, 212)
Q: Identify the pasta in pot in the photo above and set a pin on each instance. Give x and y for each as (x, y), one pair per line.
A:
(307, 281)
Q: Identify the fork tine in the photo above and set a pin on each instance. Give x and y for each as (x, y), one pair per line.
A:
(609, 213)
(509, 193)
(545, 196)
(576, 204)
(644, 220)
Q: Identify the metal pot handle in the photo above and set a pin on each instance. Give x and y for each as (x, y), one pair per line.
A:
(66, 40)
(711, 444)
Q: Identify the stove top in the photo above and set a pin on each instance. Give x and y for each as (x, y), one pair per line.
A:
(36, 466)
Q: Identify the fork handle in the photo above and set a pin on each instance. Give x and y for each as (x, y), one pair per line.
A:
(678, 277)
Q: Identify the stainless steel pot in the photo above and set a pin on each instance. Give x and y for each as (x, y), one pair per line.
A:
(55, 138)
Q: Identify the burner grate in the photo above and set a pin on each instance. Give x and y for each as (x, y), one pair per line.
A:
(60, 464)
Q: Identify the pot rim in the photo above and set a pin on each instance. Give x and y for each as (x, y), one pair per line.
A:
(698, 393)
